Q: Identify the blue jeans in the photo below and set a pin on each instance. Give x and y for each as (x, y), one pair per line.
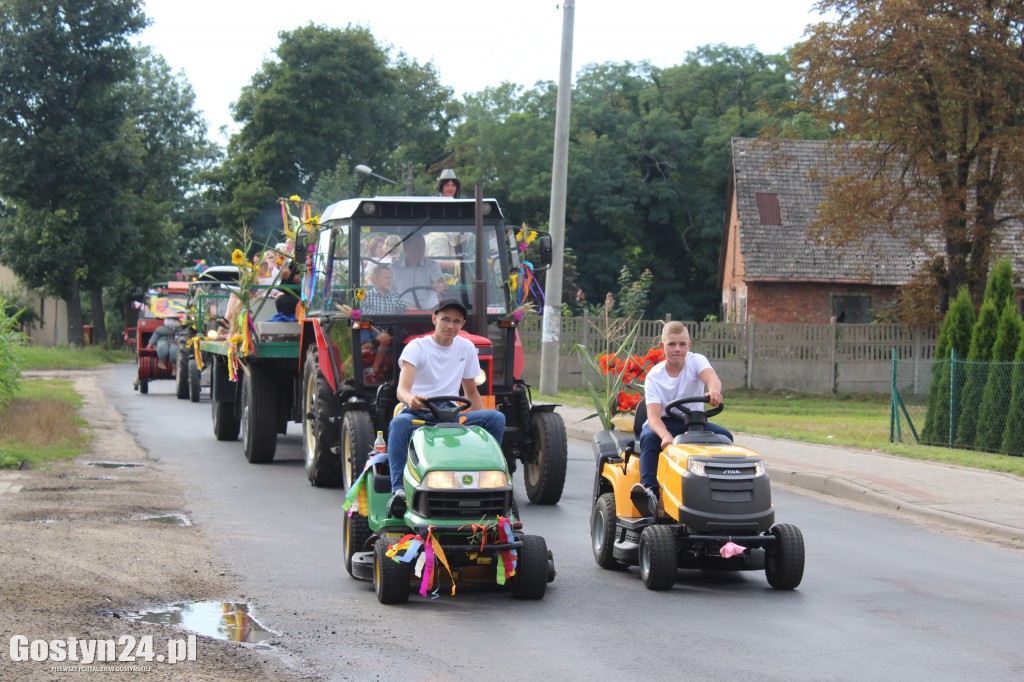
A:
(402, 427)
(650, 447)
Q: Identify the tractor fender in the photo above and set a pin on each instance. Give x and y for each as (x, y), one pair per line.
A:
(327, 356)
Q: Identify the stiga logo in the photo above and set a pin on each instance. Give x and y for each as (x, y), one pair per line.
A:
(125, 649)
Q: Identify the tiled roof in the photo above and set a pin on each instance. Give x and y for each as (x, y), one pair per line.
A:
(785, 252)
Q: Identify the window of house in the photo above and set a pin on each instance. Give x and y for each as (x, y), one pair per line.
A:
(851, 309)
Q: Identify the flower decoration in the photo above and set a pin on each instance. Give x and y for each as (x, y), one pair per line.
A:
(297, 214)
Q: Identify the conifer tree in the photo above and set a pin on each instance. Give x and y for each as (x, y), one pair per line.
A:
(976, 372)
(1013, 433)
(998, 388)
(955, 337)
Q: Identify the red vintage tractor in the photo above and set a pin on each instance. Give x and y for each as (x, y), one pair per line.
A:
(155, 335)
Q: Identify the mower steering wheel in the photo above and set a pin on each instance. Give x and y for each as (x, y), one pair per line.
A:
(680, 406)
(437, 407)
(416, 296)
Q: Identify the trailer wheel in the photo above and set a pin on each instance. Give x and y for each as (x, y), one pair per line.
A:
(259, 418)
(195, 381)
(356, 443)
(181, 375)
(545, 476)
(319, 433)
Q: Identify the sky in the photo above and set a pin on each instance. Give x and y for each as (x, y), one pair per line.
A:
(220, 44)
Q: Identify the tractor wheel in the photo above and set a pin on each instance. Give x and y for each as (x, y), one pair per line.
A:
(531, 578)
(356, 533)
(356, 443)
(143, 386)
(195, 381)
(259, 418)
(390, 578)
(784, 558)
(545, 476)
(319, 434)
(658, 557)
(602, 531)
(181, 376)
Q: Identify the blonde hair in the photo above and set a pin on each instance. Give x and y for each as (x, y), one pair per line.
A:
(674, 327)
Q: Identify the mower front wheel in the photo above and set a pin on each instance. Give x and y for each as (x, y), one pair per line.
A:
(602, 531)
(658, 557)
(531, 579)
(390, 578)
(784, 558)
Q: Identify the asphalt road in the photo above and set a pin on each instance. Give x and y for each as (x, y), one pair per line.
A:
(881, 598)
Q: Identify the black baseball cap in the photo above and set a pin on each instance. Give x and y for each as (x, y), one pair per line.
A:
(451, 303)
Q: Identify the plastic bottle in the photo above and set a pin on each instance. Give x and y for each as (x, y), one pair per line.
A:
(379, 444)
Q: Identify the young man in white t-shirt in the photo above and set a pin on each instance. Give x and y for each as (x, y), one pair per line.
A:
(433, 366)
(681, 374)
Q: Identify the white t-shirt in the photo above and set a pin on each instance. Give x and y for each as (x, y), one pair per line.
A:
(405, 277)
(662, 389)
(441, 369)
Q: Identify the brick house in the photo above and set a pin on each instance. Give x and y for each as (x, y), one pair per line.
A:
(772, 271)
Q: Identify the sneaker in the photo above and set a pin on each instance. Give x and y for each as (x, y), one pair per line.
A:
(396, 505)
(645, 500)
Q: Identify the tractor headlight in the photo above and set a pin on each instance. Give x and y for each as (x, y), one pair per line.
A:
(451, 480)
(759, 469)
(696, 467)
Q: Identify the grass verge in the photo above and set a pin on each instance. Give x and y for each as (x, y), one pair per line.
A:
(847, 420)
(64, 357)
(41, 424)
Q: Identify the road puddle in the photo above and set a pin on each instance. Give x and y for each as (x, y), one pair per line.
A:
(114, 465)
(79, 477)
(226, 620)
(169, 519)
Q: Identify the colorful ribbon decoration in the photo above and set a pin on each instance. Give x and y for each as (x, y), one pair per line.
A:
(350, 504)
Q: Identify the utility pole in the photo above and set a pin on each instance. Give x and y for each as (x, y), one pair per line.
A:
(408, 179)
(552, 324)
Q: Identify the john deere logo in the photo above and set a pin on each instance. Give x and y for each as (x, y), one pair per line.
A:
(467, 479)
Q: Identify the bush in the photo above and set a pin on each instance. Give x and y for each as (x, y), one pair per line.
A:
(10, 341)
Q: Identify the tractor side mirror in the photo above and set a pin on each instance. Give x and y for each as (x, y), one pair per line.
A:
(545, 251)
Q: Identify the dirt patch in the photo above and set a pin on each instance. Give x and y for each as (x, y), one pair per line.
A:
(77, 558)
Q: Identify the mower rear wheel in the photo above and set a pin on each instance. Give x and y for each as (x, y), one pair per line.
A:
(784, 558)
(356, 533)
(390, 578)
(545, 475)
(259, 419)
(531, 578)
(658, 557)
(319, 433)
(602, 531)
(195, 381)
(356, 443)
(181, 375)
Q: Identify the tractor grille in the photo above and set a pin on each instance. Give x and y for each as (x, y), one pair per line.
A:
(731, 481)
(462, 504)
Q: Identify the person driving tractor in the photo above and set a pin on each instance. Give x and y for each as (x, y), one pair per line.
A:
(431, 366)
(680, 374)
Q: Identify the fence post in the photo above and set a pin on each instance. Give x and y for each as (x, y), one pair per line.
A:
(586, 329)
(918, 344)
(832, 352)
(894, 414)
(750, 351)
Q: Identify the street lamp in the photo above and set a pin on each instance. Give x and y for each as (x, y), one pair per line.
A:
(366, 170)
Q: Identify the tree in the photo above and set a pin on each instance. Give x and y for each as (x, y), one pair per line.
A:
(954, 339)
(983, 338)
(937, 89)
(1013, 434)
(328, 98)
(999, 387)
(62, 157)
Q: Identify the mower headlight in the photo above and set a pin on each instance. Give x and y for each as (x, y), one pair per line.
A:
(451, 480)
(759, 469)
(696, 467)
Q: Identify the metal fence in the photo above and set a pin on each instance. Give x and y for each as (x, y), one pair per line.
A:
(963, 404)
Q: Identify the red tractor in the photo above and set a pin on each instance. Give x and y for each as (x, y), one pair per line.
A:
(348, 352)
(155, 335)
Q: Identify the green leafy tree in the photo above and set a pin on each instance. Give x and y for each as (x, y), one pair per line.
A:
(999, 387)
(983, 338)
(62, 156)
(1013, 433)
(954, 337)
(328, 98)
(940, 88)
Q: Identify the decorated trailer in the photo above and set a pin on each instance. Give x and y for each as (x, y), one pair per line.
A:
(376, 269)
